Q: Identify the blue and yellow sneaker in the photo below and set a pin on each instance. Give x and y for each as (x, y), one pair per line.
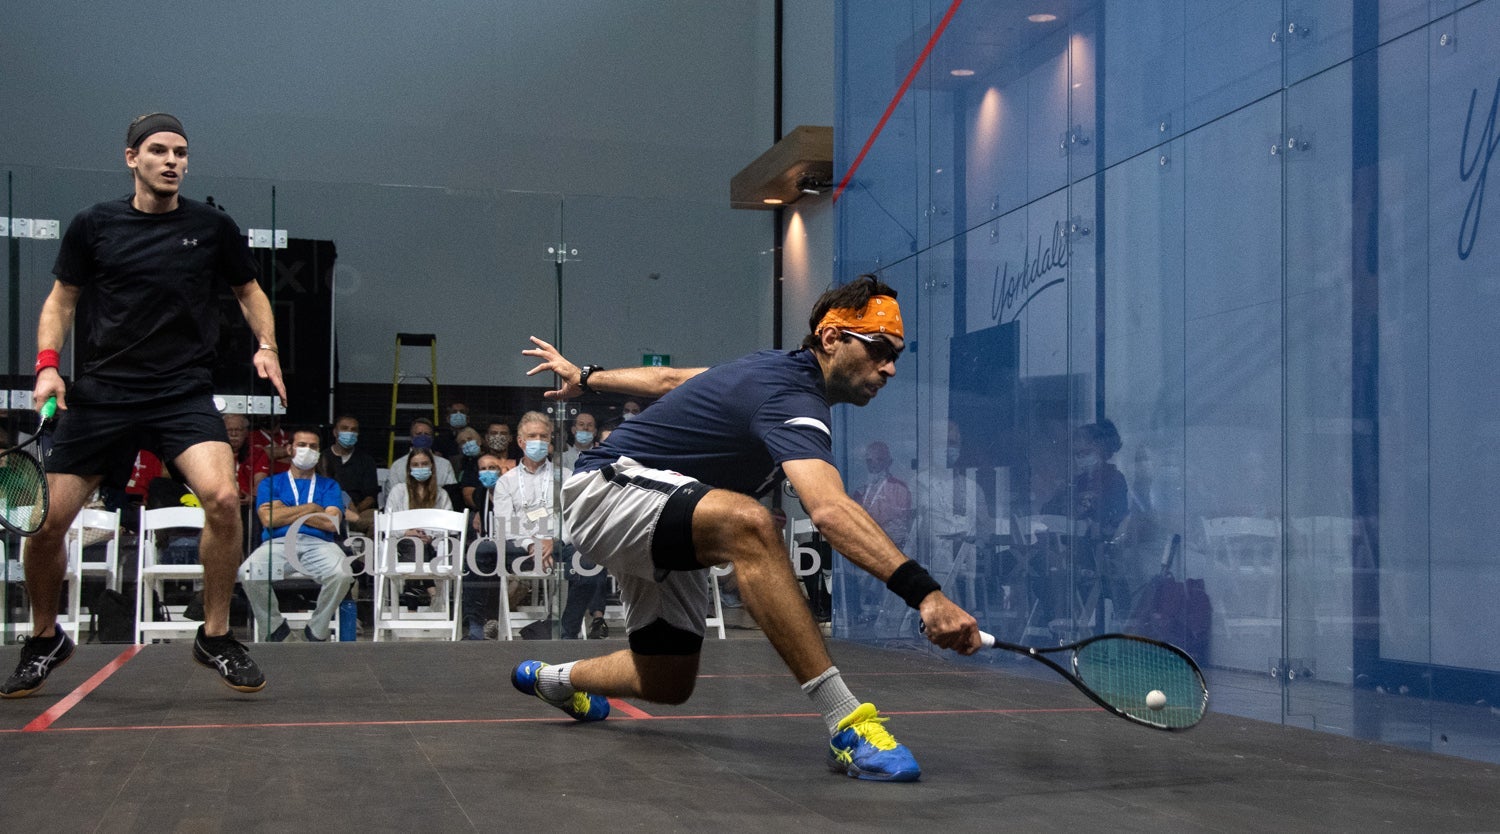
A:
(864, 750)
(582, 706)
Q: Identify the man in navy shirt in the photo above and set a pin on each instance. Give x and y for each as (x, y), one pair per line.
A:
(140, 277)
(673, 492)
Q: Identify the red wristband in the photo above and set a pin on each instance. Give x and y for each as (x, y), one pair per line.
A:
(47, 359)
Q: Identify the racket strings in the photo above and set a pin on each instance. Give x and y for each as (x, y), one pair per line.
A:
(1124, 671)
(22, 492)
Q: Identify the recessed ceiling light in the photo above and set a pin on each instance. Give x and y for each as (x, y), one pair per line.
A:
(1077, 84)
(1041, 18)
(773, 201)
(961, 73)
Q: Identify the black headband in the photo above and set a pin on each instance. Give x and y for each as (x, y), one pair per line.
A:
(153, 123)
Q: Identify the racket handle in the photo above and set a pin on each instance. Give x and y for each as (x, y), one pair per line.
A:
(986, 639)
(49, 408)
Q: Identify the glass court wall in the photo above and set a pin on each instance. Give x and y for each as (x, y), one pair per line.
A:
(1251, 237)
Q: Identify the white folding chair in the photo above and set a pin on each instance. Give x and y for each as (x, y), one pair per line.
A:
(443, 615)
(716, 619)
(151, 574)
(512, 620)
(82, 536)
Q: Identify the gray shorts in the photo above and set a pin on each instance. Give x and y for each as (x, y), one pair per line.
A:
(637, 523)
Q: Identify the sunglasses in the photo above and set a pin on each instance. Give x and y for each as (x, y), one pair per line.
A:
(879, 349)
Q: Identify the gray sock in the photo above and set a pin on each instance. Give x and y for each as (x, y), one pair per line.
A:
(555, 683)
(832, 697)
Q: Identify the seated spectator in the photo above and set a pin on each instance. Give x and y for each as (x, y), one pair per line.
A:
(282, 499)
(585, 436)
(354, 470)
(524, 501)
(250, 462)
(466, 463)
(445, 441)
(272, 440)
(418, 491)
(421, 438)
(481, 603)
(497, 437)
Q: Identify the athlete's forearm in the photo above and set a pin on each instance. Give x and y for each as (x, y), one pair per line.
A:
(647, 381)
(57, 317)
(257, 310)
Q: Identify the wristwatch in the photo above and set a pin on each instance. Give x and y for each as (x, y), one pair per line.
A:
(583, 377)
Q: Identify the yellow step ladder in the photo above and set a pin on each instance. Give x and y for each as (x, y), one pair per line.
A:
(430, 409)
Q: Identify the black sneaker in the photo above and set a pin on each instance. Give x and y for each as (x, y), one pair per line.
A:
(230, 659)
(39, 656)
(598, 629)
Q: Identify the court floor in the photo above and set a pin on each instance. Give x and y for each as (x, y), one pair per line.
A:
(431, 737)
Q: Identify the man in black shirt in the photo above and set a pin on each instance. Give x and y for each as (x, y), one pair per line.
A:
(355, 471)
(139, 276)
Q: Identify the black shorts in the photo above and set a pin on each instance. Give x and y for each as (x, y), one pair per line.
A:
(103, 439)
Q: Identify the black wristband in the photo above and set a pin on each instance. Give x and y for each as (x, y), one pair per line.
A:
(912, 583)
(583, 377)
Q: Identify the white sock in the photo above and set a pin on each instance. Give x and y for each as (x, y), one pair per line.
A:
(832, 696)
(555, 683)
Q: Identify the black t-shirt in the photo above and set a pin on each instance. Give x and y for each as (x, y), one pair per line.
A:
(147, 321)
(357, 476)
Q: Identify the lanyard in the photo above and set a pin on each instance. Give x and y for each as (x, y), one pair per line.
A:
(312, 489)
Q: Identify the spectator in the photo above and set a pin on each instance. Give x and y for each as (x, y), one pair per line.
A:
(280, 501)
(421, 438)
(355, 472)
(524, 499)
(585, 437)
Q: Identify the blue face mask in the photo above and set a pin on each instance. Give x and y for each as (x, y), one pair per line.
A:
(347, 439)
(421, 441)
(489, 477)
(536, 450)
(422, 473)
(471, 448)
(458, 419)
(584, 437)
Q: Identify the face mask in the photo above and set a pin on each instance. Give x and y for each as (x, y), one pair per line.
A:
(421, 441)
(497, 442)
(489, 478)
(584, 437)
(950, 455)
(458, 419)
(347, 439)
(471, 448)
(629, 415)
(1086, 461)
(536, 450)
(422, 473)
(305, 457)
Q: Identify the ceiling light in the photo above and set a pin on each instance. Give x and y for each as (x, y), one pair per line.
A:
(773, 201)
(961, 73)
(1041, 18)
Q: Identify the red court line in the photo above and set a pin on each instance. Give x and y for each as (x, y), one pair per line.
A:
(46, 719)
(299, 725)
(629, 709)
(896, 99)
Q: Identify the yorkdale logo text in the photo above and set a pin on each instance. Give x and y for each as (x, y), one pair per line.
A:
(360, 550)
(1476, 168)
(1012, 292)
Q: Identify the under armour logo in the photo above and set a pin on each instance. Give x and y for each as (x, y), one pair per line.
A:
(189, 241)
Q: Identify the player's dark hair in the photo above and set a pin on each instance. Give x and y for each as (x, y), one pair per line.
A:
(855, 294)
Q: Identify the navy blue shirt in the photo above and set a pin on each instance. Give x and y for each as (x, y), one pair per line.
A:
(731, 426)
(148, 311)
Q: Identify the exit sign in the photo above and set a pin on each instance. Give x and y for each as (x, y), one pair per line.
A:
(656, 359)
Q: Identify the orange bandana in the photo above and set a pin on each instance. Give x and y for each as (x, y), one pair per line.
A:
(881, 315)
